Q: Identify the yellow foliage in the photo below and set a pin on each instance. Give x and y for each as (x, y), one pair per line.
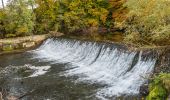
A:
(74, 4)
(92, 22)
(21, 30)
(150, 19)
(104, 14)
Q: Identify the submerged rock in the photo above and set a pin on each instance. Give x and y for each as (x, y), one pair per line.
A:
(144, 90)
(1, 98)
(12, 97)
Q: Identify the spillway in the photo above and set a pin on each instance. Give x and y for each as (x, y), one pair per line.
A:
(121, 72)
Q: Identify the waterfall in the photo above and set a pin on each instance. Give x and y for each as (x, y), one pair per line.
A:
(99, 63)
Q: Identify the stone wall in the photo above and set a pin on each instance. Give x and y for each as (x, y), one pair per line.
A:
(20, 44)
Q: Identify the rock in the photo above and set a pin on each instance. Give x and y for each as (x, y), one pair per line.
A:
(55, 33)
(28, 44)
(144, 90)
(7, 47)
(1, 98)
(16, 46)
(168, 97)
(12, 45)
(12, 98)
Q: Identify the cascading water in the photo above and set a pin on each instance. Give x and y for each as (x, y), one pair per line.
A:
(119, 70)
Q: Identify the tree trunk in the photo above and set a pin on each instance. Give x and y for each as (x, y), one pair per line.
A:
(3, 4)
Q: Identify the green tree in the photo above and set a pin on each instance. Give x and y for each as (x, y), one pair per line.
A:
(45, 15)
(2, 18)
(19, 19)
(71, 15)
(82, 14)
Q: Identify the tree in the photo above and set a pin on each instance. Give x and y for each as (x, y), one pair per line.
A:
(2, 18)
(31, 3)
(3, 4)
(19, 19)
(80, 14)
(119, 11)
(45, 15)
(71, 15)
(148, 20)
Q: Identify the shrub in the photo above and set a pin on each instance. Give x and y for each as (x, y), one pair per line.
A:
(159, 87)
(150, 19)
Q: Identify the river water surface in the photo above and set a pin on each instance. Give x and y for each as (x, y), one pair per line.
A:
(67, 69)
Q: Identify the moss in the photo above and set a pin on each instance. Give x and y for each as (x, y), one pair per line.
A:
(157, 93)
(159, 87)
(7, 47)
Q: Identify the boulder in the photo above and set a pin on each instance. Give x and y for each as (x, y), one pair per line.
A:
(7, 47)
(28, 44)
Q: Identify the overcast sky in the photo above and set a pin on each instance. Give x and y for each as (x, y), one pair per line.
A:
(4, 2)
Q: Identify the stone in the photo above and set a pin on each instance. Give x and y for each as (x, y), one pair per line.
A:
(16, 46)
(144, 90)
(28, 44)
(12, 97)
(7, 47)
(168, 97)
(1, 96)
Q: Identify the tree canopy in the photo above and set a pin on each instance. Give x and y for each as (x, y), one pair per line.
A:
(144, 21)
(148, 21)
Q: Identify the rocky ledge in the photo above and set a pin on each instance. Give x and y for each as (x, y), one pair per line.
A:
(20, 44)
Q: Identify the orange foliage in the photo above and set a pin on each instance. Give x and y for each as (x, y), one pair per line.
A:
(119, 11)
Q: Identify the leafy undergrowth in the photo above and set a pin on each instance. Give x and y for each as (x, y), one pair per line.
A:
(159, 87)
(146, 23)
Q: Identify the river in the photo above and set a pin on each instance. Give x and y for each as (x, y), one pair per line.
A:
(68, 69)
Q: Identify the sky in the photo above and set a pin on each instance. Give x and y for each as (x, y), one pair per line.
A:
(5, 1)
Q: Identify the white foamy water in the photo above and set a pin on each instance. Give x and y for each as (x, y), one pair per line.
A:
(38, 70)
(34, 70)
(99, 63)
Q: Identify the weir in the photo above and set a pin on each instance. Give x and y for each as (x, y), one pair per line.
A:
(120, 71)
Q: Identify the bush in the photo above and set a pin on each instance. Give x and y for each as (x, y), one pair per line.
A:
(159, 87)
(150, 19)
(17, 19)
(69, 16)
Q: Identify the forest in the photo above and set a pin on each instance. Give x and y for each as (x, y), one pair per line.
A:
(26, 17)
(141, 22)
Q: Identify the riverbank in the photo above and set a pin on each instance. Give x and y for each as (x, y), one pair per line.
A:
(21, 44)
(118, 38)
